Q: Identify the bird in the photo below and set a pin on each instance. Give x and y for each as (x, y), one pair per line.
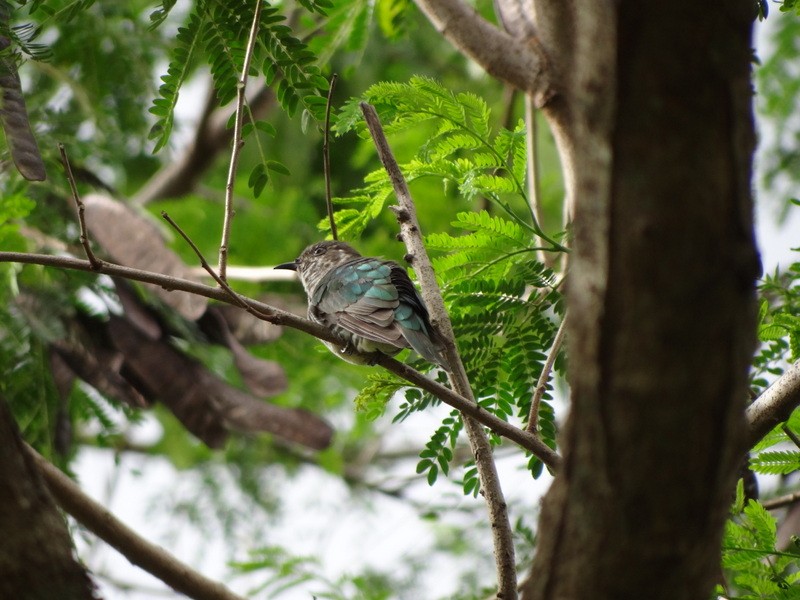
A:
(370, 304)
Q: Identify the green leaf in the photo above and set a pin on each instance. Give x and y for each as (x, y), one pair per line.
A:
(188, 41)
(776, 462)
(277, 167)
(258, 179)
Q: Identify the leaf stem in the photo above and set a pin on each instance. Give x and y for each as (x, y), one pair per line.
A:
(326, 158)
(541, 385)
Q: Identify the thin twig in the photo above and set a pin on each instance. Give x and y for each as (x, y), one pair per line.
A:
(534, 181)
(541, 385)
(279, 317)
(326, 158)
(84, 238)
(791, 435)
(203, 262)
(479, 441)
(781, 501)
(238, 142)
(236, 298)
(153, 559)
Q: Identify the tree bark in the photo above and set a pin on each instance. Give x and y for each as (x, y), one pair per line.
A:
(36, 558)
(657, 109)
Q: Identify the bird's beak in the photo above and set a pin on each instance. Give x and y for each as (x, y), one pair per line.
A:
(292, 266)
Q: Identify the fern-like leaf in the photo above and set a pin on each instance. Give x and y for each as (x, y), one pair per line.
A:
(188, 42)
(776, 462)
(373, 397)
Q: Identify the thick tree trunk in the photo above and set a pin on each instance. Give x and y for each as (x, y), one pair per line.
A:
(661, 302)
(36, 561)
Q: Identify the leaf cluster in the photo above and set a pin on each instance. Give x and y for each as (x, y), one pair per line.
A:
(754, 567)
(778, 326)
(750, 557)
(502, 301)
(461, 151)
(218, 32)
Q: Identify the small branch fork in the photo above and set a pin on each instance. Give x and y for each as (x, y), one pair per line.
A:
(479, 441)
(84, 238)
(238, 142)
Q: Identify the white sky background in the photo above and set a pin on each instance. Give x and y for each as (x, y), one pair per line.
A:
(322, 516)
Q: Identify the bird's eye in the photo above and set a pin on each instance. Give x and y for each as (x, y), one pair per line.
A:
(319, 251)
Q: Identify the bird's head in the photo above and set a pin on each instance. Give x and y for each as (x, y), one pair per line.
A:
(316, 260)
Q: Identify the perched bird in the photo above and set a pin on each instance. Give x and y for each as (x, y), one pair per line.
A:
(369, 303)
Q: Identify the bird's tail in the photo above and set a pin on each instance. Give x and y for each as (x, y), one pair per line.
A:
(428, 346)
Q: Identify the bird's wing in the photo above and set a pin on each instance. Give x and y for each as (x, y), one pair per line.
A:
(412, 316)
(360, 296)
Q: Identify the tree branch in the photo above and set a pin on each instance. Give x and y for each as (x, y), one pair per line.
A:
(279, 317)
(236, 300)
(781, 501)
(432, 295)
(238, 142)
(84, 236)
(541, 385)
(153, 559)
(522, 64)
(517, 20)
(775, 405)
(471, 409)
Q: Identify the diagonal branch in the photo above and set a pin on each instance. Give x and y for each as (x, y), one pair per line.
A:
(775, 405)
(280, 317)
(84, 236)
(521, 64)
(541, 385)
(146, 555)
(479, 441)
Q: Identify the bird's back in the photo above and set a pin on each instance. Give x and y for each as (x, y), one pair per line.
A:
(375, 300)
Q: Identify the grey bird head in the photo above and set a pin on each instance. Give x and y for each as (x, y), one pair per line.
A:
(316, 260)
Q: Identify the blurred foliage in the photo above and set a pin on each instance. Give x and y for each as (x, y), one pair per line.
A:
(123, 86)
(755, 568)
(778, 85)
